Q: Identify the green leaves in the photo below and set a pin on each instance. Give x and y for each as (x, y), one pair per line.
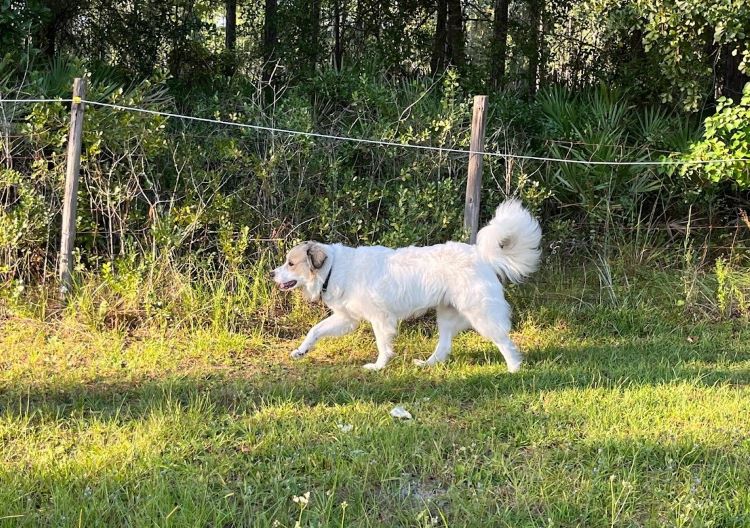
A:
(603, 125)
(684, 43)
(24, 217)
(726, 137)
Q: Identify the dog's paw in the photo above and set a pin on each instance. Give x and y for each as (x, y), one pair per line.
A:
(297, 354)
(373, 366)
(514, 367)
(421, 363)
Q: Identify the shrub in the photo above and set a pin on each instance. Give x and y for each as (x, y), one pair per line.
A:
(726, 136)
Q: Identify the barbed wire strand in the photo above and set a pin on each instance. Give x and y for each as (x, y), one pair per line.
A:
(383, 142)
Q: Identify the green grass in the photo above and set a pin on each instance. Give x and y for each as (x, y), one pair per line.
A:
(628, 415)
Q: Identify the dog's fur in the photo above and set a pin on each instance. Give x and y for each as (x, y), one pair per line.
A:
(383, 285)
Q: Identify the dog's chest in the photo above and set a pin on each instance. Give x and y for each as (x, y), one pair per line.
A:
(354, 308)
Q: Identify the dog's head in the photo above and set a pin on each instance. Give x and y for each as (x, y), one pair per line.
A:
(302, 268)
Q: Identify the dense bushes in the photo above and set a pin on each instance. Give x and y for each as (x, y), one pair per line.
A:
(185, 215)
(210, 199)
(603, 125)
(726, 136)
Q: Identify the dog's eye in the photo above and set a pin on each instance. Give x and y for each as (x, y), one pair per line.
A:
(290, 264)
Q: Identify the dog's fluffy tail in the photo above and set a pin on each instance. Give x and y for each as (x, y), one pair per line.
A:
(510, 242)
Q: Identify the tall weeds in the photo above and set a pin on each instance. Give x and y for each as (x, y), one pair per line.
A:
(179, 221)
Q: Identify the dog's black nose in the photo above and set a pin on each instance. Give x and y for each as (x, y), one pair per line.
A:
(272, 274)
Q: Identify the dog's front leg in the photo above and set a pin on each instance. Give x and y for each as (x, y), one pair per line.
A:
(335, 325)
(385, 331)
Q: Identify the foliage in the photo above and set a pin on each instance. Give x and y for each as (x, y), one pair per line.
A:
(726, 136)
(18, 18)
(666, 51)
(603, 125)
(679, 31)
(674, 50)
(24, 222)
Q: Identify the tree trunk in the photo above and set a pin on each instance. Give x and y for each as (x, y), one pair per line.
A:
(359, 26)
(535, 22)
(499, 43)
(231, 21)
(47, 39)
(732, 79)
(231, 35)
(50, 43)
(338, 44)
(270, 39)
(314, 51)
(456, 39)
(438, 59)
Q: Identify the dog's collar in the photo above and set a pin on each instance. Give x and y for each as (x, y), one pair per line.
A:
(325, 284)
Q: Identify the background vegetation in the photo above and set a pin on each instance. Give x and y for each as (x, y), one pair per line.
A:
(585, 80)
(160, 199)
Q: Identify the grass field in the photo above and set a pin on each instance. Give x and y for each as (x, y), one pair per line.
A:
(630, 414)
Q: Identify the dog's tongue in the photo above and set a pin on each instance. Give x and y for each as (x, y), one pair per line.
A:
(288, 285)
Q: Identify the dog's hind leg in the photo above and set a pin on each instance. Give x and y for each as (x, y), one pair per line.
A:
(449, 322)
(492, 321)
(510, 352)
(385, 331)
(335, 325)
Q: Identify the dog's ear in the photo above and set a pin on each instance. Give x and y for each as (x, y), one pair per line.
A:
(316, 254)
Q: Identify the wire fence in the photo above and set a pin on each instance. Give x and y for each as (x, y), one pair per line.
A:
(162, 232)
(385, 143)
(111, 197)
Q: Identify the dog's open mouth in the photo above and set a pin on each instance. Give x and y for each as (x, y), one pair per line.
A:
(288, 285)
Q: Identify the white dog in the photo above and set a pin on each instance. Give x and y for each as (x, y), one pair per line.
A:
(383, 285)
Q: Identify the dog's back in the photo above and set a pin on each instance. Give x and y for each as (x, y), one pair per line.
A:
(408, 281)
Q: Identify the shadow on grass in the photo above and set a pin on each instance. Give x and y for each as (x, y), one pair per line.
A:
(527, 473)
(566, 479)
(471, 375)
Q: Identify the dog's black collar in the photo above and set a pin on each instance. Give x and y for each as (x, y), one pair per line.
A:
(325, 284)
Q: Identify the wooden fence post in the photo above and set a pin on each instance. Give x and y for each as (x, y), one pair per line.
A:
(474, 180)
(71, 186)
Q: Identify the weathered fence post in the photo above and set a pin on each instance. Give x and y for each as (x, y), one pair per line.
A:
(71, 186)
(474, 180)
